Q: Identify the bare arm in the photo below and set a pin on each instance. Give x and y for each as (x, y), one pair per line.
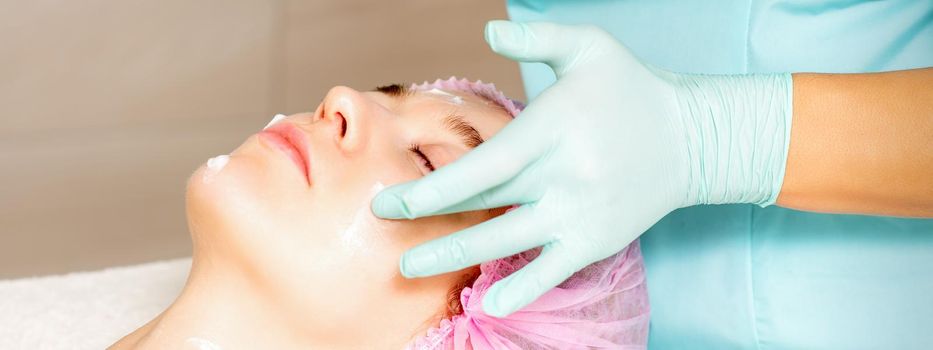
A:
(861, 143)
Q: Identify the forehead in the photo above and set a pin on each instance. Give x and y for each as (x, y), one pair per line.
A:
(486, 116)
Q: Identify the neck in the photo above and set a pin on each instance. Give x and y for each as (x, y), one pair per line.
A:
(220, 309)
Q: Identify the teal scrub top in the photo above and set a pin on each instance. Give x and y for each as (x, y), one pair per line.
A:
(744, 277)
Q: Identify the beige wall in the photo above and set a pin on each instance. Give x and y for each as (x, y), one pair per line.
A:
(107, 106)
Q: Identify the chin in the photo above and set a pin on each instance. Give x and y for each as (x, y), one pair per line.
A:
(250, 213)
(228, 203)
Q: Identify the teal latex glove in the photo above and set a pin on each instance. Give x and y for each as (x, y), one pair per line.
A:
(595, 160)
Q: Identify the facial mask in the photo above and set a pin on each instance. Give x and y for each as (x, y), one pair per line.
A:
(214, 166)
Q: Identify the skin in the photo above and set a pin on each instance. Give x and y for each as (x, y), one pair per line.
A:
(862, 144)
(279, 264)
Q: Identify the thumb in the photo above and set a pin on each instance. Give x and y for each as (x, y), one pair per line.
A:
(556, 45)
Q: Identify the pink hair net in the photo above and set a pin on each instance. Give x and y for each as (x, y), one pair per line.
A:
(602, 306)
(487, 91)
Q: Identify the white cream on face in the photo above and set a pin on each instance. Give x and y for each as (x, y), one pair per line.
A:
(214, 166)
(454, 99)
(359, 235)
(202, 344)
(275, 119)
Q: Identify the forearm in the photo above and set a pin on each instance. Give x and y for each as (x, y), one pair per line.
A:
(861, 143)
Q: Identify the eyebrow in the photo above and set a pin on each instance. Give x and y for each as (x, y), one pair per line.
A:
(457, 124)
(468, 134)
(394, 90)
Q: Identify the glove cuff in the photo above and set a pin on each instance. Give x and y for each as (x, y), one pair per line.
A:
(737, 132)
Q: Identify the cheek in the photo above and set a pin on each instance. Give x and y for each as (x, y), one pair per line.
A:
(369, 282)
(385, 164)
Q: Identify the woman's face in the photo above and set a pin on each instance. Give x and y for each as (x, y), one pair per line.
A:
(291, 207)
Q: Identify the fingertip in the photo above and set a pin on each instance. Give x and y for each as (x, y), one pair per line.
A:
(404, 266)
(421, 200)
(501, 35)
(487, 33)
(419, 262)
(491, 301)
(394, 203)
(500, 301)
(388, 205)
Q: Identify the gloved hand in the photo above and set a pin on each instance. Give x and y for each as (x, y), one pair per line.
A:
(595, 160)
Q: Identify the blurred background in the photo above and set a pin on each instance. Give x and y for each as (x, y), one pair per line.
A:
(106, 107)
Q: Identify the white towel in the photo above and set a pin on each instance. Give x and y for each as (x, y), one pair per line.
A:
(86, 310)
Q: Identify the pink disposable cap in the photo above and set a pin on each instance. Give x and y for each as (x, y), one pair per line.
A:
(479, 88)
(602, 306)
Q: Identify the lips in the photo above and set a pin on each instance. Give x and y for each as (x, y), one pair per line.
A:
(293, 142)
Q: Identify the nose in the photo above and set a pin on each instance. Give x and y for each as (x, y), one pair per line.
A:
(344, 111)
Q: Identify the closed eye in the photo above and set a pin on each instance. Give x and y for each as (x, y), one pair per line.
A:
(455, 124)
(416, 149)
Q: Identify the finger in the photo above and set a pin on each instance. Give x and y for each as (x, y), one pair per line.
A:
(505, 235)
(524, 286)
(556, 45)
(492, 163)
(521, 189)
